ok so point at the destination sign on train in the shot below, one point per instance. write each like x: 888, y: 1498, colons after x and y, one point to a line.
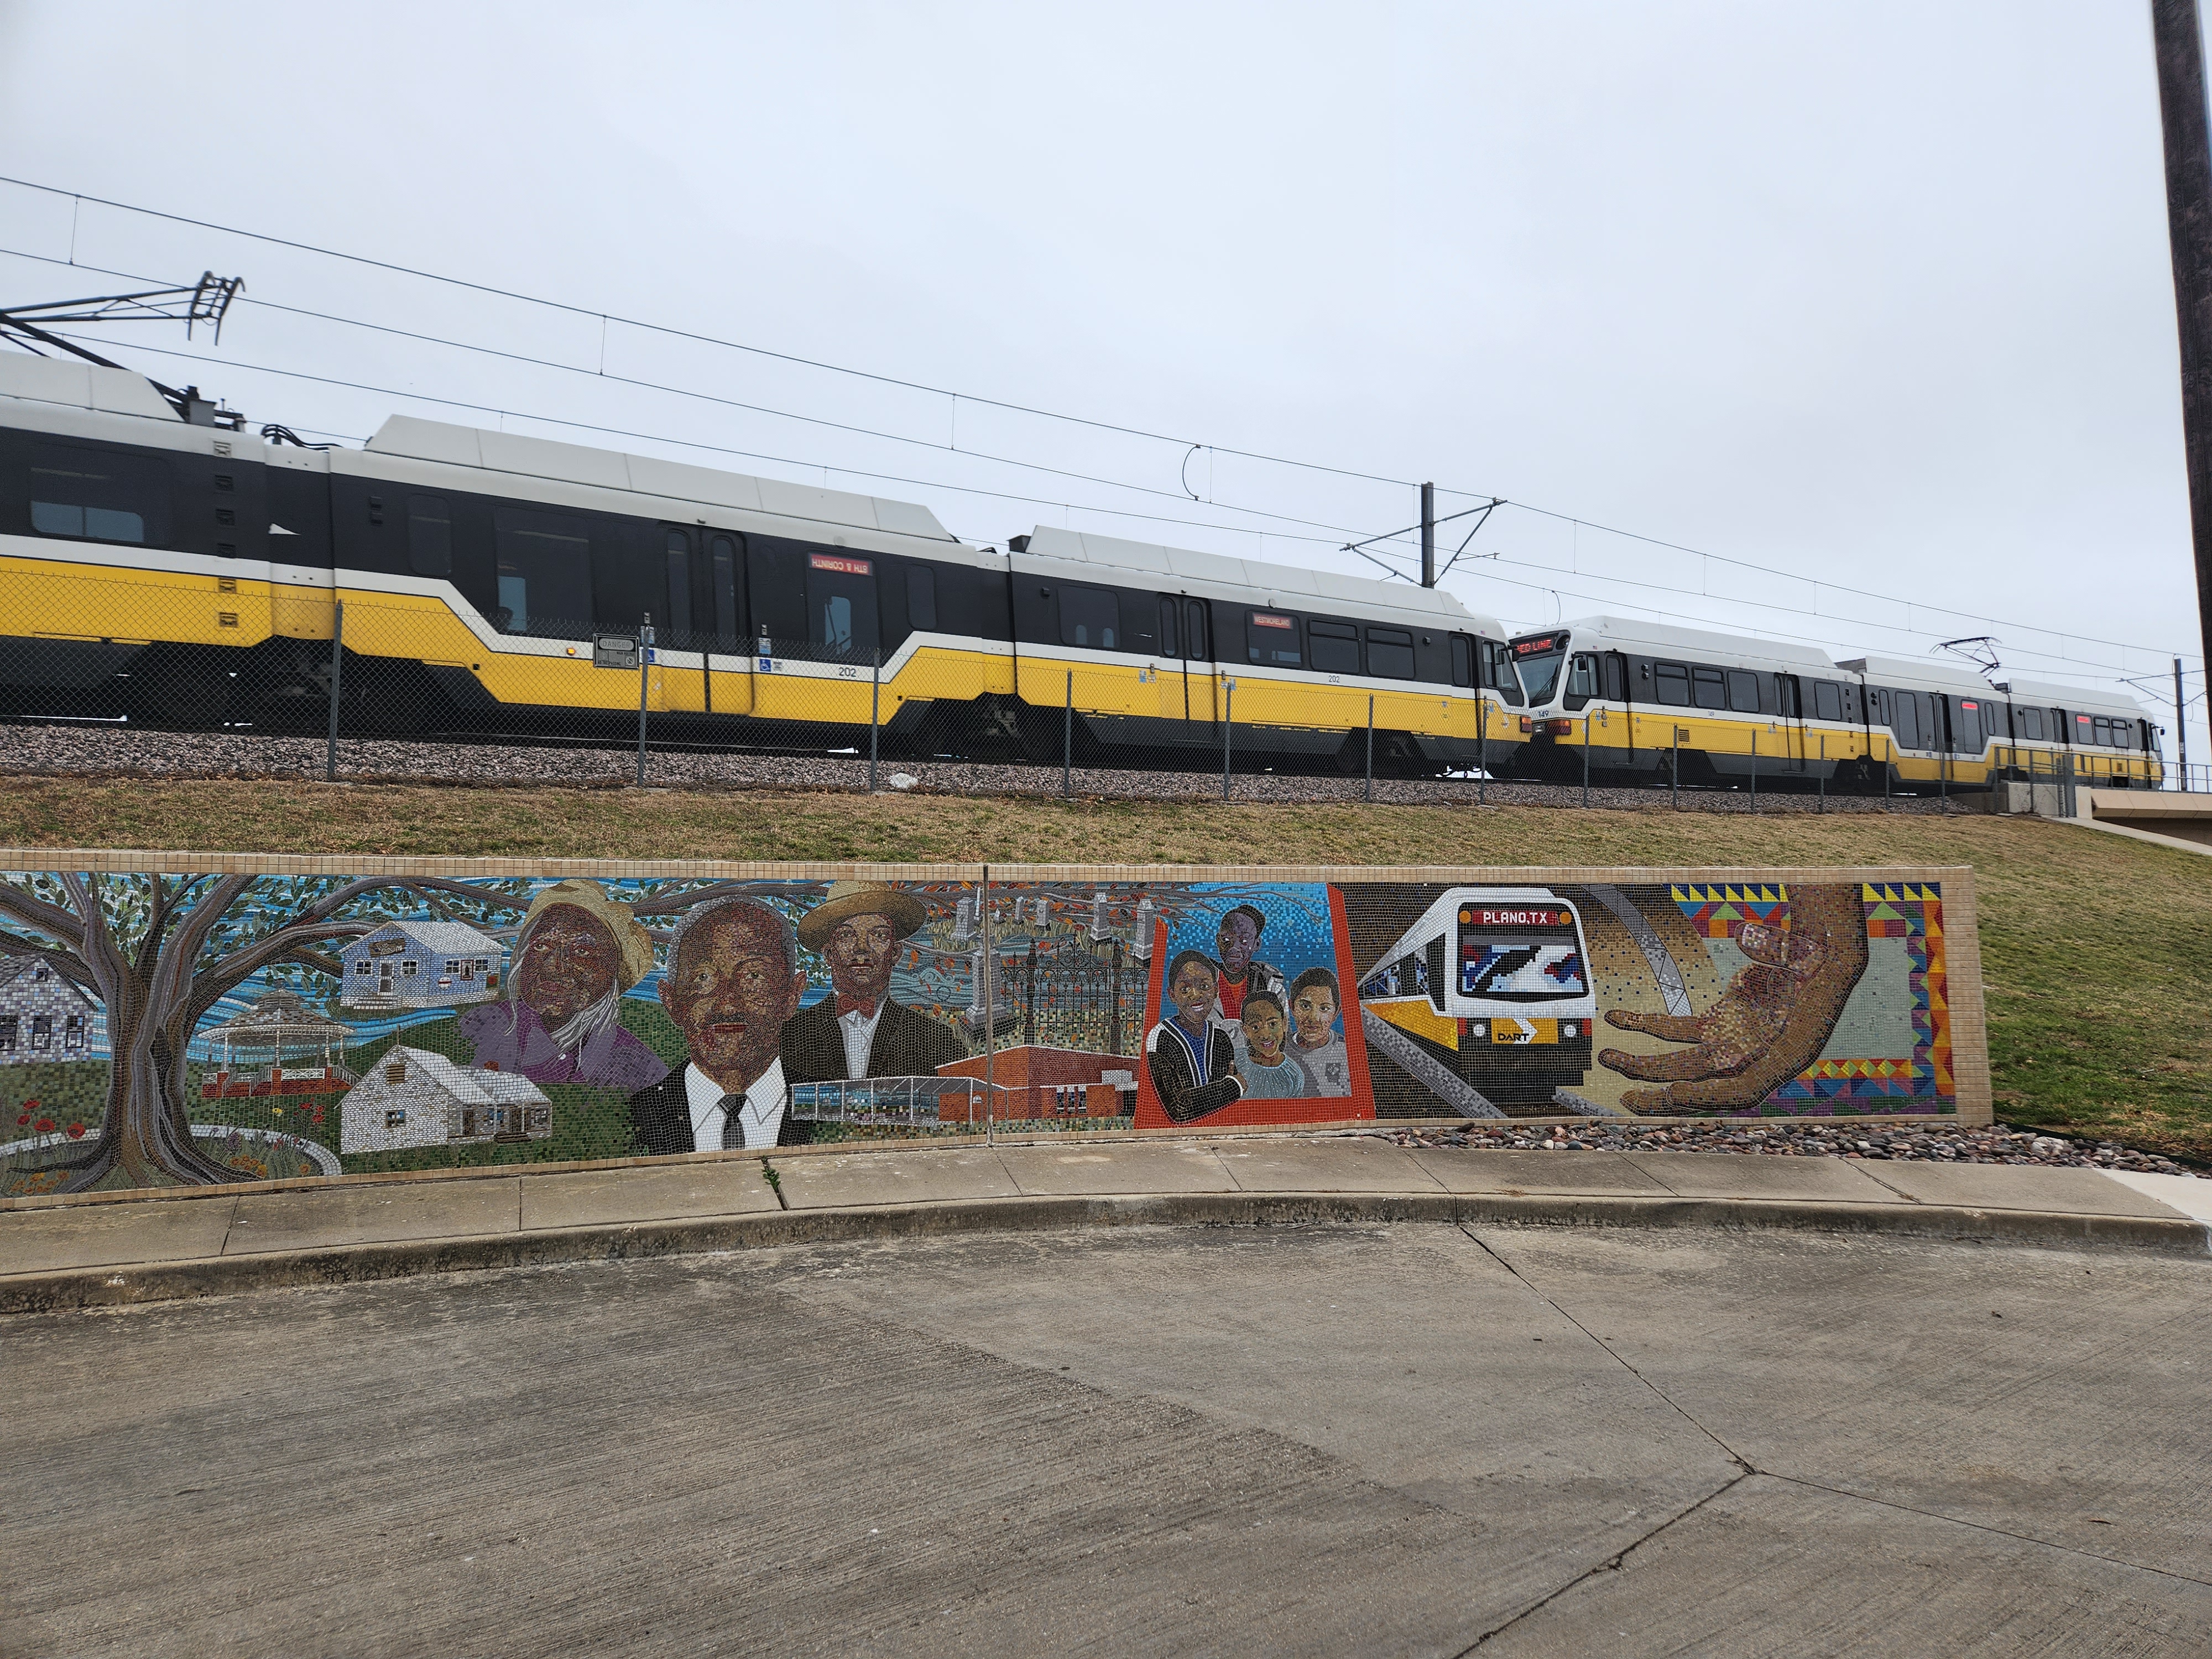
x: 1535, y: 647
x: 843, y: 567
x: 1474, y: 917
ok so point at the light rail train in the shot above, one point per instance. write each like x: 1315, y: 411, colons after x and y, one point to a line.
x: 1642, y: 702
x: 185, y: 573
x: 173, y: 573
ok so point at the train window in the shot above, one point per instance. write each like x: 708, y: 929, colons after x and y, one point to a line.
x: 1197, y: 642
x: 429, y: 536
x: 1167, y: 627
x: 841, y: 605
x: 2078, y: 733
x: 1966, y: 725
x: 676, y: 629
x: 1582, y: 680
x: 1827, y: 700
x: 1674, y: 683
x: 1390, y: 653
x: 1335, y: 647
x: 544, y: 574
x: 1707, y: 688
x: 98, y: 496
x: 722, y: 558
x: 2103, y: 728
x: 1462, y: 649
x: 1499, y: 671
x: 1785, y: 687
x: 1743, y: 690
x: 920, y: 599
x: 1089, y: 617
x: 1273, y: 638
x: 1905, y: 717
x: 1616, y: 676
x: 2030, y: 724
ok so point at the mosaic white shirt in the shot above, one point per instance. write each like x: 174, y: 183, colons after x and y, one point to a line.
x: 761, y: 1116
x: 859, y: 1030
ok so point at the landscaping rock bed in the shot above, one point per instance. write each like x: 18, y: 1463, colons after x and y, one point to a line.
x: 1924, y: 1143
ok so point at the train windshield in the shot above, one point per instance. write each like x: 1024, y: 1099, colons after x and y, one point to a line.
x: 1538, y: 656
x: 1527, y: 953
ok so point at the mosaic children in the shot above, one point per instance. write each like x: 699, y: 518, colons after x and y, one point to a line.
x: 1190, y: 1059
x: 1316, y: 1044
x: 1268, y: 1073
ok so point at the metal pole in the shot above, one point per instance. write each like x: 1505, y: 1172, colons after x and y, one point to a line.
x: 1370, y: 746
x: 1886, y: 769
x: 1113, y: 1009
x: 2181, y: 722
x: 644, y: 676
x: 1586, y: 742
x: 1482, y: 757
x: 990, y: 1018
x: 1675, y: 774
x: 337, y: 677
x: 875, y: 711
x: 1754, y: 771
x: 1067, y: 741
x: 2177, y: 41
x: 1823, y: 773
x: 1428, y: 535
x: 1227, y: 707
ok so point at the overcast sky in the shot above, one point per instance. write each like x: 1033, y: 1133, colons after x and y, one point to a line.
x: 1873, y: 294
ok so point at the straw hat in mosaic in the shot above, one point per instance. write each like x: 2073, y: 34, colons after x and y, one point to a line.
x: 848, y: 899
x: 629, y: 934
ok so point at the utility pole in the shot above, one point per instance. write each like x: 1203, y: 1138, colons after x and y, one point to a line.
x: 1428, y: 535
x: 2177, y: 38
x: 2181, y: 722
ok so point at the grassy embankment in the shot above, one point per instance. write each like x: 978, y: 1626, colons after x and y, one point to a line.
x: 2095, y: 948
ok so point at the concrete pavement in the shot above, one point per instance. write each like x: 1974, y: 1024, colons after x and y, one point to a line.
x: 122, y: 1248
x: 1407, y: 1438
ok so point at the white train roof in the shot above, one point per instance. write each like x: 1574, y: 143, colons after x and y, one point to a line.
x: 82, y: 385
x: 647, y: 475
x: 2075, y: 696
x: 1920, y: 675
x: 1150, y: 564
x: 1660, y: 639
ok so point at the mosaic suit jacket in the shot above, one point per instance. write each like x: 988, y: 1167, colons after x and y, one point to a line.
x: 660, y: 1118
x: 906, y: 1044
x: 1185, y: 1097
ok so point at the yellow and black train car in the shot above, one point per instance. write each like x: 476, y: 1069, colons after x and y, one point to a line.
x: 1649, y: 703
x: 174, y: 574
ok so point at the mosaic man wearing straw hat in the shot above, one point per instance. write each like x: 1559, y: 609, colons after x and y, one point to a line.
x: 858, y: 1031
x: 577, y: 952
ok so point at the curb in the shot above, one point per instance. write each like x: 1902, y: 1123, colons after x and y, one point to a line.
x: 128, y: 1285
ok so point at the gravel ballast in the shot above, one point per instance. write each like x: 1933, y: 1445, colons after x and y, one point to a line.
x: 109, y: 751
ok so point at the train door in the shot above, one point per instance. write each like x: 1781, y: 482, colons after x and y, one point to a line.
x: 1202, y: 687
x: 1790, y: 694
x: 1617, y: 683
x: 703, y: 589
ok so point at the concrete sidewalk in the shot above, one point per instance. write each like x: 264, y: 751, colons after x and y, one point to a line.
x: 59, y: 1254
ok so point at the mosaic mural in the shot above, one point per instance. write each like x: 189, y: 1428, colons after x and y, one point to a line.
x: 162, y: 1029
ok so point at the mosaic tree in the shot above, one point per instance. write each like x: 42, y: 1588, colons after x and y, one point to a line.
x: 157, y: 952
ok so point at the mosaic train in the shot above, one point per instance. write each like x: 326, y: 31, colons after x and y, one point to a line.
x: 159, y: 1028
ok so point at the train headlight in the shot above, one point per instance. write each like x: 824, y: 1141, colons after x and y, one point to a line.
x: 1477, y: 1028
x: 1568, y: 1028
x: 1528, y: 724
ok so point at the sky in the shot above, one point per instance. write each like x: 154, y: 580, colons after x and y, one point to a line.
x: 1845, y: 323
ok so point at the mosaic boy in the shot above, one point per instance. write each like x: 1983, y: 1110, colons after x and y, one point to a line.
x: 1190, y: 1059
x: 1316, y: 1045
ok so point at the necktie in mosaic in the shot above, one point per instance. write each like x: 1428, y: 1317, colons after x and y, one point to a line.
x: 734, y: 1124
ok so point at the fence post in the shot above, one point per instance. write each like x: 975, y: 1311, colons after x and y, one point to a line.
x: 644, y: 678
x: 1943, y: 777
x: 1482, y: 757
x: 1675, y: 774
x: 338, y: 677
x: 1227, y: 716
x: 1586, y: 742
x: 1370, y: 746
x: 1823, y: 773
x: 1887, y: 767
x: 875, y: 711
x: 1067, y: 741
x: 990, y: 1016
x: 1754, y: 770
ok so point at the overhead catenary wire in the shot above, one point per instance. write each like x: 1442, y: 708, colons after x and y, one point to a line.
x: 1703, y: 592
x: 1487, y: 574
x: 603, y: 315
